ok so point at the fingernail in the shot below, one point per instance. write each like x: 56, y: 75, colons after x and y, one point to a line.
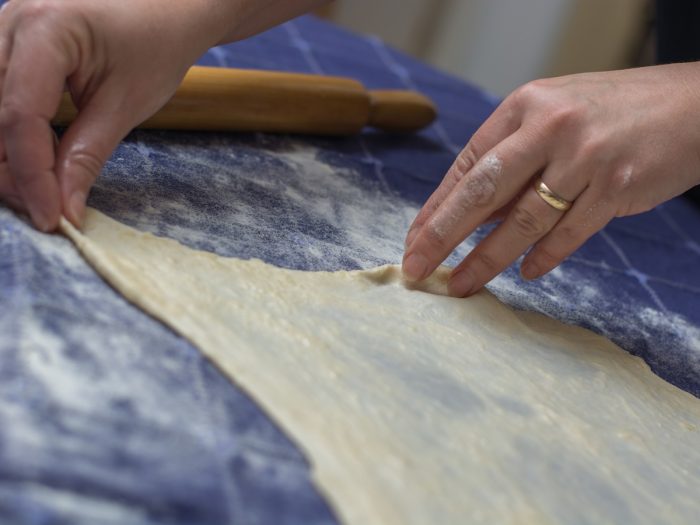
x: 41, y: 221
x: 410, y: 236
x: 460, y: 284
x: 415, y: 267
x: 76, y: 206
x: 529, y: 270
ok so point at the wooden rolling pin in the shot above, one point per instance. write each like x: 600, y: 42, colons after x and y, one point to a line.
x: 220, y: 99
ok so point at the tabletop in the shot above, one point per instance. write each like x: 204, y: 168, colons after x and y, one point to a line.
x: 107, y: 416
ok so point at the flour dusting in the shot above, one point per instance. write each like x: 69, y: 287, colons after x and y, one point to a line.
x: 475, y: 190
x: 284, y: 205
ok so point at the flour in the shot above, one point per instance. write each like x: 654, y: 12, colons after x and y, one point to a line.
x: 666, y: 341
x: 283, y: 195
x: 475, y: 190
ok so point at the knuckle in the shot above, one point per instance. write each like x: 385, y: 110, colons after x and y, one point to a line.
x: 31, y: 10
x: 564, y: 117
x: 542, y: 93
x: 484, y: 261
x: 12, y: 114
x: 552, y: 110
x: 531, y: 92
x: 455, y: 173
x: 464, y: 162
x: 545, y: 257
x: 478, y: 189
x: 88, y: 162
x: 436, y: 236
x: 427, y: 211
x: 592, y: 148
x: 469, y: 155
x: 527, y: 224
x: 569, y: 234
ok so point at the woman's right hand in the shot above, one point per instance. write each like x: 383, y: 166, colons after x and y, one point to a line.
x: 120, y: 61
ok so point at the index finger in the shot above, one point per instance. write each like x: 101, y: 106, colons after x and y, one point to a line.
x: 503, y: 122
x: 493, y: 182
x: 31, y: 93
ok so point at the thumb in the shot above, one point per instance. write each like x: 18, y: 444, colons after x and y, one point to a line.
x: 82, y: 152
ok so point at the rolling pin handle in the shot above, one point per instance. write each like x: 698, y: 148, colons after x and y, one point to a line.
x: 400, y: 111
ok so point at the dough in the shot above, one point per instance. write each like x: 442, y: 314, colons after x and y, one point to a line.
x: 420, y: 408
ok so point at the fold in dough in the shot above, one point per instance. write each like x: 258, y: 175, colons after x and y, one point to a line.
x: 420, y: 408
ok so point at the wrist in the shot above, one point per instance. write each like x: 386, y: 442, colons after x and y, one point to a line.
x: 240, y: 19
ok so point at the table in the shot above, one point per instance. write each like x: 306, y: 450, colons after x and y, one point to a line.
x: 107, y: 416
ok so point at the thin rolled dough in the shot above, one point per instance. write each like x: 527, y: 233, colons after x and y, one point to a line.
x: 420, y: 408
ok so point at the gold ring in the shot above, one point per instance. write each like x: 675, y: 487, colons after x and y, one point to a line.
x: 551, y: 198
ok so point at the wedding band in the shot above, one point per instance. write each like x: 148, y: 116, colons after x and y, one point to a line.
x: 551, y: 198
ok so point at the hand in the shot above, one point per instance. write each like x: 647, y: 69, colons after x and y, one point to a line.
x: 614, y: 144
x: 121, y: 61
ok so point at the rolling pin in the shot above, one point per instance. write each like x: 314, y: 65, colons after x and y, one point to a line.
x: 221, y: 99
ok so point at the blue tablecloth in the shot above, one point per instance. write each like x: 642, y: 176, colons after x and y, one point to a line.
x: 107, y: 416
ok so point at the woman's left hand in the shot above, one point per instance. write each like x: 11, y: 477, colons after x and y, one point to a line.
x: 611, y: 144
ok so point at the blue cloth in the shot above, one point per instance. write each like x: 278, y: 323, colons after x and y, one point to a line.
x: 107, y: 416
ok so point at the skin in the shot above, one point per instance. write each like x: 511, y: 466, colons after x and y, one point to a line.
x: 120, y: 61
x: 616, y: 143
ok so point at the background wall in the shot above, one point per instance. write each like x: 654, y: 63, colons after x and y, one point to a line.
x: 501, y: 44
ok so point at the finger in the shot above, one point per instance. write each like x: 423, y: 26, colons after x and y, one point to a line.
x: 529, y: 220
x: 590, y: 213
x: 84, y: 149
x: 502, y: 123
x: 489, y: 185
x: 5, y: 50
x: 8, y: 191
x: 502, y: 212
x: 9, y: 194
x: 32, y: 90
